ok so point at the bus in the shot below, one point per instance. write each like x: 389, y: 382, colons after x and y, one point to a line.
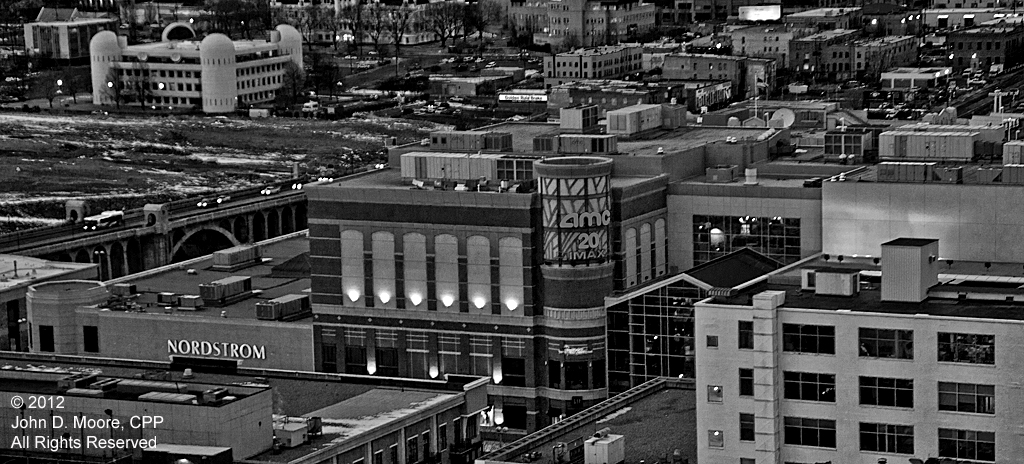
x: 104, y: 220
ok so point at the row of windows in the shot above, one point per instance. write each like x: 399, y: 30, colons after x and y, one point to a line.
x: 874, y: 437
x: 874, y: 391
x: 250, y: 83
x: 259, y: 69
x: 888, y: 343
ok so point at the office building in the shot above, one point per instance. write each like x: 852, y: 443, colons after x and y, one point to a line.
x: 952, y: 18
x: 902, y: 356
x: 609, y: 62
x: 215, y: 74
x: 63, y: 34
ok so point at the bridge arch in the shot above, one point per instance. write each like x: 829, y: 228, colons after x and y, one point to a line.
x: 273, y: 224
x: 135, y: 259
x: 300, y: 216
x: 259, y: 227
x: 287, y: 220
x: 82, y: 256
x: 241, y: 229
x: 117, y: 261
x: 99, y: 256
x: 202, y: 241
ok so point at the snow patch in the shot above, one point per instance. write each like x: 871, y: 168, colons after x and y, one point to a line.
x: 614, y: 415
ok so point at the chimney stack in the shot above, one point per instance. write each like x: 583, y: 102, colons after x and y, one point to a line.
x: 910, y: 266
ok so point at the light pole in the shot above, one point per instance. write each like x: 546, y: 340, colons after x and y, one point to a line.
x: 501, y: 436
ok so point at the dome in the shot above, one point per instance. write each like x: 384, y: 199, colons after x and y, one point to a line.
x: 178, y: 31
x: 289, y: 33
x: 217, y: 46
x: 104, y: 43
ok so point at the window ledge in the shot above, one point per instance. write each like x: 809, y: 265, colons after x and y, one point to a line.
x: 962, y: 364
x: 885, y: 358
x: 967, y: 413
x: 809, y: 447
x: 890, y: 408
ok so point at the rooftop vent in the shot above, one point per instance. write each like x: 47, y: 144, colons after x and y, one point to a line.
x: 235, y: 258
x: 910, y: 266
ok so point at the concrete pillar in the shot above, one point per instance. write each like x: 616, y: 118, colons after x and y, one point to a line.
x: 252, y: 233
x: 156, y: 252
x: 124, y: 257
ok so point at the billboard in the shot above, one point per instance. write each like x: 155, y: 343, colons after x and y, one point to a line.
x: 522, y: 97
x: 576, y: 211
x: 761, y: 13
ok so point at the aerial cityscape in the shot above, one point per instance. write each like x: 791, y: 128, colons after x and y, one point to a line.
x: 511, y: 231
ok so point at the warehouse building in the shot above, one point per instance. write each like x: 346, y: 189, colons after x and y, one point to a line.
x: 863, y: 360
x: 215, y: 74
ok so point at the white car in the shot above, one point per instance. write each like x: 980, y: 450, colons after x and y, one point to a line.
x: 203, y: 203
x: 270, y: 190
x: 976, y: 81
x: 223, y: 199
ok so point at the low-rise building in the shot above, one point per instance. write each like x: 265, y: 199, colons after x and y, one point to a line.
x: 882, y: 19
x: 749, y: 76
x: 827, y: 18
x: 17, y: 273
x: 468, y: 86
x: 953, y: 18
x: 920, y: 78
x: 872, y: 57
x: 770, y: 41
x: 982, y: 47
x: 63, y: 34
x: 612, y: 95
x: 817, y: 55
x: 215, y: 74
x: 589, y: 22
x: 609, y: 62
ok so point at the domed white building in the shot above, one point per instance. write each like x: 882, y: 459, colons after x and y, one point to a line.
x: 180, y: 71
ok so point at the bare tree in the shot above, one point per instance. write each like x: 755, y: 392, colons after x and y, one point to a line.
x: 375, y: 22
x: 571, y: 42
x: 72, y: 83
x: 482, y: 14
x: 114, y: 87
x: 312, y: 19
x: 138, y: 84
x: 399, y: 19
x: 292, y: 81
x: 445, y: 19
x: 350, y: 18
x: 48, y: 84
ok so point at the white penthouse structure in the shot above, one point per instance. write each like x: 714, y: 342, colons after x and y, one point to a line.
x: 216, y: 73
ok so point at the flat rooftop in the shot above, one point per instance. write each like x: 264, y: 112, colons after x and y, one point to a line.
x: 592, y: 51
x: 889, y: 39
x: 683, y: 138
x: 523, y: 133
x: 824, y: 12
x: 284, y: 271
x: 25, y: 378
x: 826, y: 35
x: 997, y: 280
x: 654, y: 425
x: 21, y: 271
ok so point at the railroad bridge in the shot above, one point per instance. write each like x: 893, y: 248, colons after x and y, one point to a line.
x: 160, y: 234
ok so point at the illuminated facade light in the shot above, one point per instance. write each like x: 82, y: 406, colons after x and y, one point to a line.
x: 433, y: 372
x: 385, y: 297
x: 479, y: 302
x: 415, y: 299
x: 371, y: 367
x: 447, y: 300
x: 353, y: 295
x: 511, y: 304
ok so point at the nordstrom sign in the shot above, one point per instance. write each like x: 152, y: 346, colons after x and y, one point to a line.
x: 216, y: 349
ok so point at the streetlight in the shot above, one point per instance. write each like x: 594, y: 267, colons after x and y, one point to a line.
x: 501, y: 435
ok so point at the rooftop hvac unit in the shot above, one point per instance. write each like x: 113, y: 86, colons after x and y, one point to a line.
x: 79, y: 380
x: 123, y: 289
x: 837, y: 282
x: 167, y: 298
x: 607, y: 449
x: 721, y: 173
x: 105, y: 385
x: 214, y: 395
x: 190, y: 302
x: 291, y: 435
x: 236, y: 258
x: 990, y: 175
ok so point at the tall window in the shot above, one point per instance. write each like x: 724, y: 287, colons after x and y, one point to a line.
x: 329, y: 351
x: 887, y: 438
x: 967, y: 397
x: 800, y: 338
x: 417, y: 353
x: 809, y: 386
x: 442, y: 437
x: 412, y: 450
x: 746, y: 382
x: 967, y: 444
x: 355, y: 351
x: 746, y: 333
x: 884, y: 391
x: 967, y: 348
x: 775, y: 237
x: 91, y: 336
x: 810, y: 432
x: 46, y: 338
x: 450, y: 354
x: 746, y: 427
x: 480, y: 353
x: 886, y: 343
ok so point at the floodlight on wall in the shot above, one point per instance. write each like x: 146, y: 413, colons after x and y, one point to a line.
x: 353, y: 295
x: 447, y: 300
x: 415, y: 299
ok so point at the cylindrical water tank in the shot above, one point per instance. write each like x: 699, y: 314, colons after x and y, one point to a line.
x: 751, y: 176
x: 104, y: 52
x: 217, y: 57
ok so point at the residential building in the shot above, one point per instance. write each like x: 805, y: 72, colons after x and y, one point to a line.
x: 982, y: 47
x: 215, y: 74
x: 770, y: 41
x: 827, y: 18
x: 63, y: 34
x: 607, y: 62
x: 818, y: 55
x: 898, y: 356
x: 872, y: 57
x: 749, y: 76
x: 297, y: 14
x: 590, y: 22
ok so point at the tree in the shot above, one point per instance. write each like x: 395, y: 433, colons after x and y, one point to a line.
x: 48, y: 84
x: 375, y: 21
x: 114, y: 87
x: 350, y: 18
x: 571, y: 42
x: 312, y: 19
x: 399, y: 19
x: 444, y: 19
x: 138, y: 84
x: 72, y: 83
x: 482, y: 14
x: 292, y: 81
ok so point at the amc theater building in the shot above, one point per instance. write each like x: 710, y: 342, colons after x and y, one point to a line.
x: 482, y: 264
